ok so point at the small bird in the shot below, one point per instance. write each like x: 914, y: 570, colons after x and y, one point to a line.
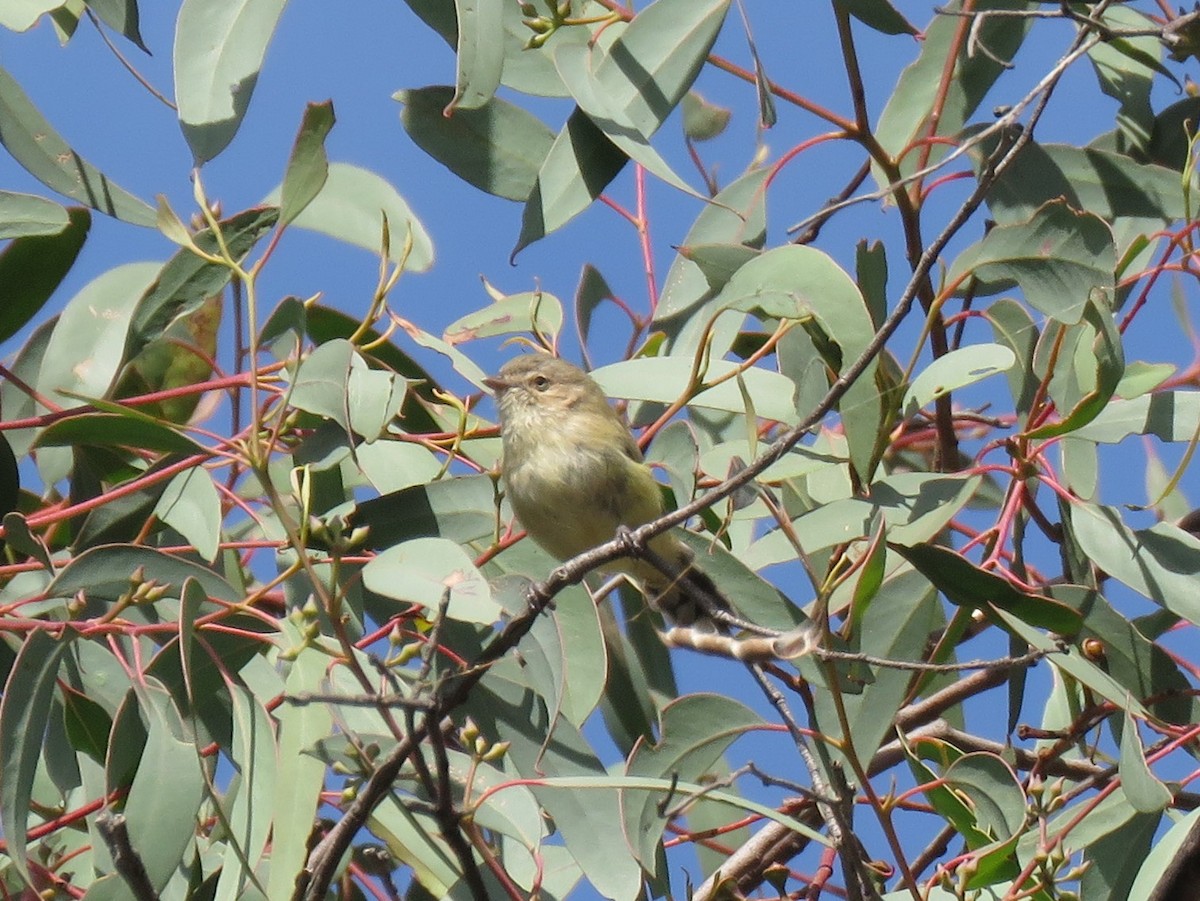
x: 574, y: 475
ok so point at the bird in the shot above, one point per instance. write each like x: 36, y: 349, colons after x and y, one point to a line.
x: 575, y: 477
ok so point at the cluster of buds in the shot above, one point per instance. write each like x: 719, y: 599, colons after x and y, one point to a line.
x: 482, y: 749
x: 542, y: 25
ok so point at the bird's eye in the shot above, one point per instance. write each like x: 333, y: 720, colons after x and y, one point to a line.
x: 541, y: 383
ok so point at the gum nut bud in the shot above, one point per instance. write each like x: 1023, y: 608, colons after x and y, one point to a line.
x: 496, y: 751
x: 481, y: 746
x: 470, y: 732
x: 408, y: 652
x: 310, y: 609
x: 138, y: 576
x: 528, y: 9
x: 349, y: 793
x: 1093, y: 650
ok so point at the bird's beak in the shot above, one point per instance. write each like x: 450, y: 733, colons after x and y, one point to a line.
x: 497, y: 384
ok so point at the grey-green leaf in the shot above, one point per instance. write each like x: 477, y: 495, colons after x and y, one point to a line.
x: 351, y: 206
x: 308, y: 167
x: 1057, y: 257
x: 35, y: 144
x: 498, y: 148
x: 22, y: 215
x: 652, y: 64
x: 24, y: 710
x: 219, y: 50
x: 191, y: 506
x: 1144, y: 791
x: 480, y: 56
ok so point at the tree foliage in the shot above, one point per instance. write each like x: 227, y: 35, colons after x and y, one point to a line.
x: 270, y: 631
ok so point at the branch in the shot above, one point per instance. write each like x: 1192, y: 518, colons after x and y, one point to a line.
x: 112, y: 829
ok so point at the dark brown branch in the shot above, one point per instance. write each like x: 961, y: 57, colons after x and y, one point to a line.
x: 112, y: 829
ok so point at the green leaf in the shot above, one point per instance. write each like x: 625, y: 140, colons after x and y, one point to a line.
x: 915, y: 506
x: 1162, y: 856
x: 24, y: 215
x: 299, y: 776
x: 254, y: 750
x: 164, y: 798
x: 529, y: 311
x: 1159, y: 562
x: 104, y: 573
x: 880, y: 15
x: 113, y: 430
x: 1058, y: 257
x: 1167, y: 415
x: 191, y: 506
x: 180, y: 358
x: 652, y: 64
x: 737, y: 215
x: 86, y: 350
x: 965, y: 584
x: 1097, y: 364
x: 479, y: 55
x: 1113, y: 860
x: 666, y: 379
x: 703, y: 121
x: 802, y: 283
x: 187, y: 281
x: 335, y: 382
x: 1141, y: 667
x: 575, y: 64
x: 415, y: 840
x: 20, y: 15
x: 593, y: 290
x: 122, y: 17
x: 526, y: 71
x: 957, y: 369
x: 1145, y: 792
x: 1014, y: 328
x: 351, y: 207
x: 424, y: 570
x: 578, y: 167
x: 1074, y: 663
x: 946, y: 803
x: 695, y: 731
x: 219, y: 50
x: 895, y: 626
x: 87, y: 724
x: 461, y: 509
x: 33, y: 266
x: 308, y: 166
x: 924, y: 89
x: 498, y: 149
x: 993, y: 791
x: 1106, y: 184
x: 719, y: 262
x: 1125, y: 69
x: 35, y: 144
x: 24, y: 711
x: 503, y: 708
x: 1141, y: 378
x: 323, y: 324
